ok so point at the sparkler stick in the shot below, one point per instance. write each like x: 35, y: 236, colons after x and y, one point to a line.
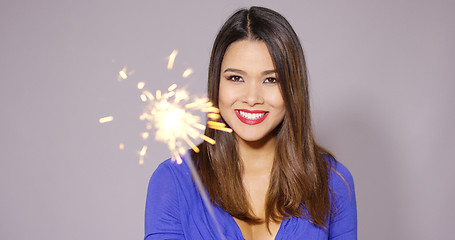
x: 204, y: 195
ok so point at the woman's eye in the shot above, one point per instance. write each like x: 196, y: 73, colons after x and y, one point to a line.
x: 235, y: 78
x: 270, y: 80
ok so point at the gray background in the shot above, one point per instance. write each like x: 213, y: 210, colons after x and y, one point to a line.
x: 382, y: 84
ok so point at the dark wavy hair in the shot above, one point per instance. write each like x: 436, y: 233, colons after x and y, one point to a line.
x: 299, y: 177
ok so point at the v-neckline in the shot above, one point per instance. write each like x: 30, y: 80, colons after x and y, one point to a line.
x: 239, y: 231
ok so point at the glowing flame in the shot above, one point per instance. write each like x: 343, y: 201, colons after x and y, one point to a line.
x: 171, y: 115
x: 106, y: 119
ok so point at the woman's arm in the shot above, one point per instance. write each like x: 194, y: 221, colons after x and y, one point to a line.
x: 162, y: 218
x: 343, y: 221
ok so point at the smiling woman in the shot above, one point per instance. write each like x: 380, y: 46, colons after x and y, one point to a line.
x: 250, y: 100
x: 269, y: 179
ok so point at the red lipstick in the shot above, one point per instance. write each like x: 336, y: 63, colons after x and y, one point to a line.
x: 248, y: 112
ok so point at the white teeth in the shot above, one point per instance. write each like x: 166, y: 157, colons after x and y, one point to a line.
x: 251, y: 116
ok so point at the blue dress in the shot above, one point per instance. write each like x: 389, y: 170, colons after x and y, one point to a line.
x: 175, y: 210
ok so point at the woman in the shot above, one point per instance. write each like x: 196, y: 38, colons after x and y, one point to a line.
x: 269, y: 179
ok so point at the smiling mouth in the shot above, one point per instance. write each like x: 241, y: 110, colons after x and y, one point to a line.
x: 251, y: 117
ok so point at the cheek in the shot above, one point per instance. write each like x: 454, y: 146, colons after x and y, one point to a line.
x: 276, y: 99
x: 224, y: 105
x: 278, y: 104
x: 223, y: 102
x: 226, y: 96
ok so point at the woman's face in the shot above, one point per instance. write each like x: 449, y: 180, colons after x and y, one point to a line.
x: 250, y: 99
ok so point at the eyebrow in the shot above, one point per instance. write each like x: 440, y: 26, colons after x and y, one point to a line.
x: 235, y: 70
x: 243, y: 72
x: 269, y: 72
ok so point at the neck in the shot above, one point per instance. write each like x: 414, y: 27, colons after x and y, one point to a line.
x: 257, y: 157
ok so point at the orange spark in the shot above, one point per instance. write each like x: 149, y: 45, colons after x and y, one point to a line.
x: 207, y: 139
x: 214, y: 116
x: 170, y: 64
x: 122, y: 73
x: 106, y: 119
x: 145, y: 135
x: 172, y: 87
x: 187, y: 72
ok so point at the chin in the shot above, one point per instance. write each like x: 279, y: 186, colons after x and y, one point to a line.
x: 253, y: 138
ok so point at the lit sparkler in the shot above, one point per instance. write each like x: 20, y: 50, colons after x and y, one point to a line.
x: 173, y: 115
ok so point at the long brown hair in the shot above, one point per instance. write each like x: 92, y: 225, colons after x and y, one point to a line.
x: 299, y: 177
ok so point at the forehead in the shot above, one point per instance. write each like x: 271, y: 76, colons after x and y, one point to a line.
x: 247, y: 55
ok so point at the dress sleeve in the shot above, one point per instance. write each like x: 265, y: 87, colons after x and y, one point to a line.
x: 343, y: 221
x: 162, y: 220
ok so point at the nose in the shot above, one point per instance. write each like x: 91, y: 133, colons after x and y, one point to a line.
x: 253, y: 94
